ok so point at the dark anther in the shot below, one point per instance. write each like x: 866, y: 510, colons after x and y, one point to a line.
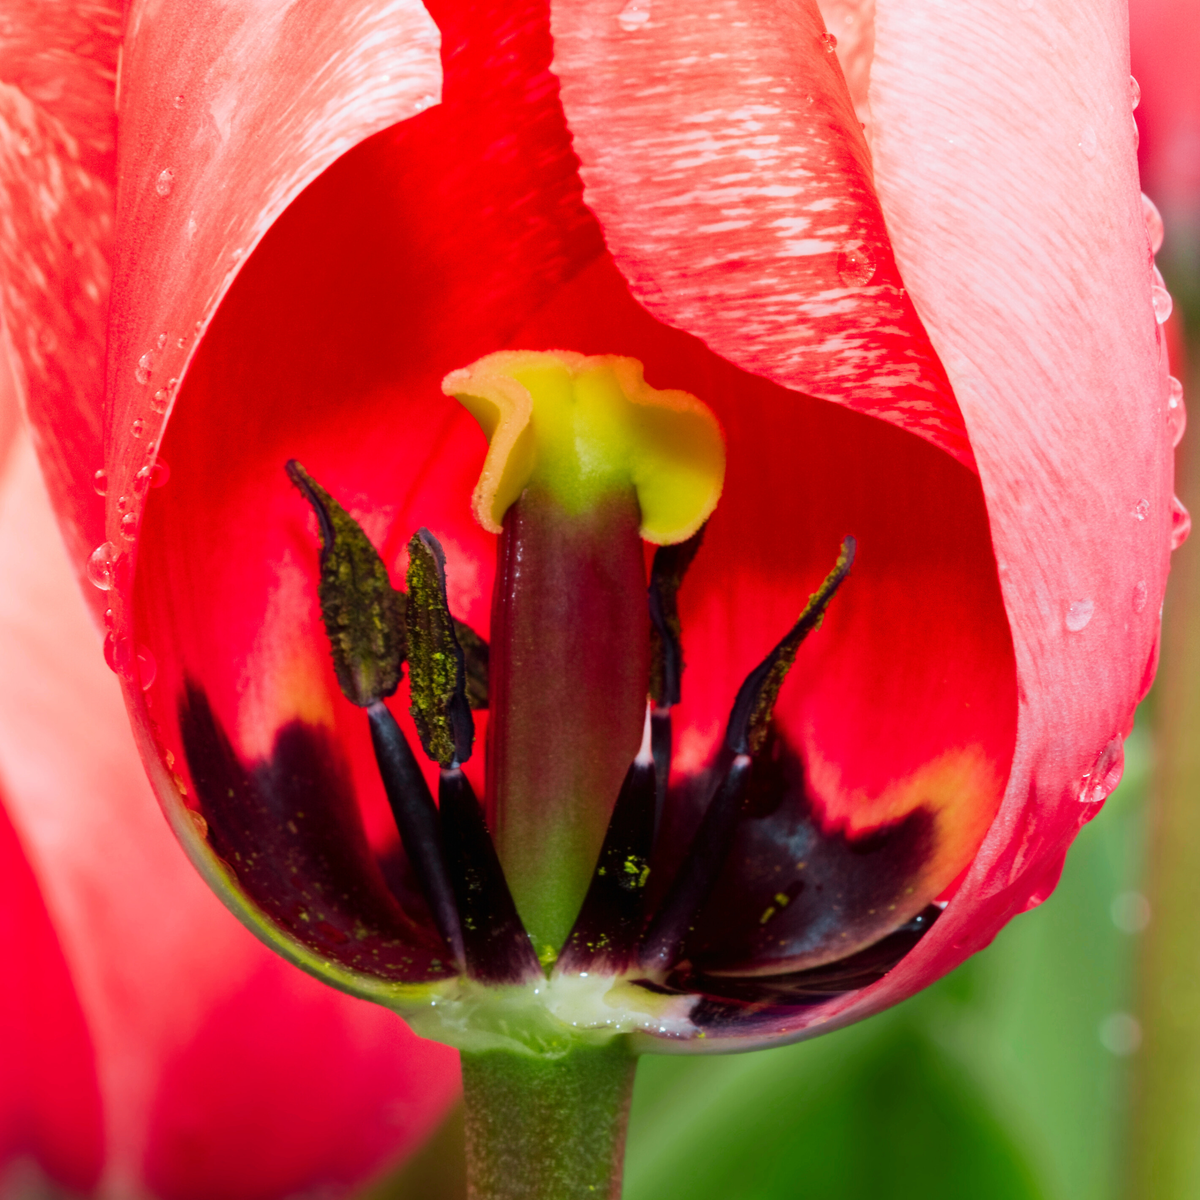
x: 664, y: 939
x: 417, y: 820
x: 666, y: 651
x: 497, y: 948
x: 606, y: 932
x: 749, y: 723
x: 436, y: 664
x: 751, y: 715
x: 361, y: 610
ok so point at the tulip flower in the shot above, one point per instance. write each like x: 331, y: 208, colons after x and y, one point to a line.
x: 515, y: 293
x: 155, y: 1048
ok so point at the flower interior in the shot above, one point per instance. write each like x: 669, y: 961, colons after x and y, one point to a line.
x: 676, y: 801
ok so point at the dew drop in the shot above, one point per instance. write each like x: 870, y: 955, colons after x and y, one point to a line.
x: 1176, y: 412
x: 116, y: 654
x: 197, y: 327
x: 101, y: 564
x: 1100, y: 782
x: 1154, y: 223
x: 1161, y: 299
x: 1088, y: 142
x: 1181, y: 523
x: 147, y: 668
x: 110, y: 618
x: 122, y: 503
x: 1141, y: 510
x: 138, y: 427
x: 161, y: 341
x: 634, y: 15
x: 181, y: 343
x: 1135, y: 92
x: 152, y: 475
x: 829, y: 42
x: 1140, y: 592
x: 142, y: 372
x: 129, y: 526
x: 856, y: 265
x: 100, y: 482
x: 1079, y: 614
x: 178, y: 101
x: 165, y: 182
x: 159, y: 401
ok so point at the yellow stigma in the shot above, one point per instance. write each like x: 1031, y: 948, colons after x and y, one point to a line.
x: 582, y: 426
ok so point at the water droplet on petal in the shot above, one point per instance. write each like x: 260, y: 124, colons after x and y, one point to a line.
x: 829, y: 42
x: 110, y: 618
x: 129, y: 526
x: 1154, y: 223
x: 147, y: 668
x: 856, y: 265
x: 162, y: 340
x: 142, y: 371
x: 178, y: 101
x: 122, y: 503
x: 1100, y: 782
x: 1176, y: 412
x: 116, y: 654
x: 100, y: 566
x: 1181, y: 523
x: 159, y: 401
x: 634, y: 15
x: 138, y: 427
x: 1161, y: 299
x: 1141, y: 510
x: 165, y: 182
x: 152, y: 475
x: 1140, y: 592
x: 1079, y: 614
x: 100, y: 482
x: 1135, y: 92
x: 181, y: 343
x: 1088, y: 142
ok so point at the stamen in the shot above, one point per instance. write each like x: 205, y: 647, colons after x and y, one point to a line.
x: 751, y: 715
x: 666, y: 652
x: 495, y: 944
x: 664, y: 940
x: 749, y: 723
x: 361, y: 610
x: 605, y: 934
x: 436, y: 669
x: 417, y: 820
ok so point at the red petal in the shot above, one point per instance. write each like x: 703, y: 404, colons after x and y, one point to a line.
x: 49, y: 1099
x: 722, y: 153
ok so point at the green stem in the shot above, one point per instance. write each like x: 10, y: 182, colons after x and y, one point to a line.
x: 547, y: 1128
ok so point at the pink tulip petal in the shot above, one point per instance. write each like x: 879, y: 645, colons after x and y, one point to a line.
x: 157, y: 963
x: 722, y: 153
x: 57, y: 177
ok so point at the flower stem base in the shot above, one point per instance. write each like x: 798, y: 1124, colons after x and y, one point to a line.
x: 547, y: 1128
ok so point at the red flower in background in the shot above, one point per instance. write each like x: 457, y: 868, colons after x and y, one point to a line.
x: 945, y: 344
